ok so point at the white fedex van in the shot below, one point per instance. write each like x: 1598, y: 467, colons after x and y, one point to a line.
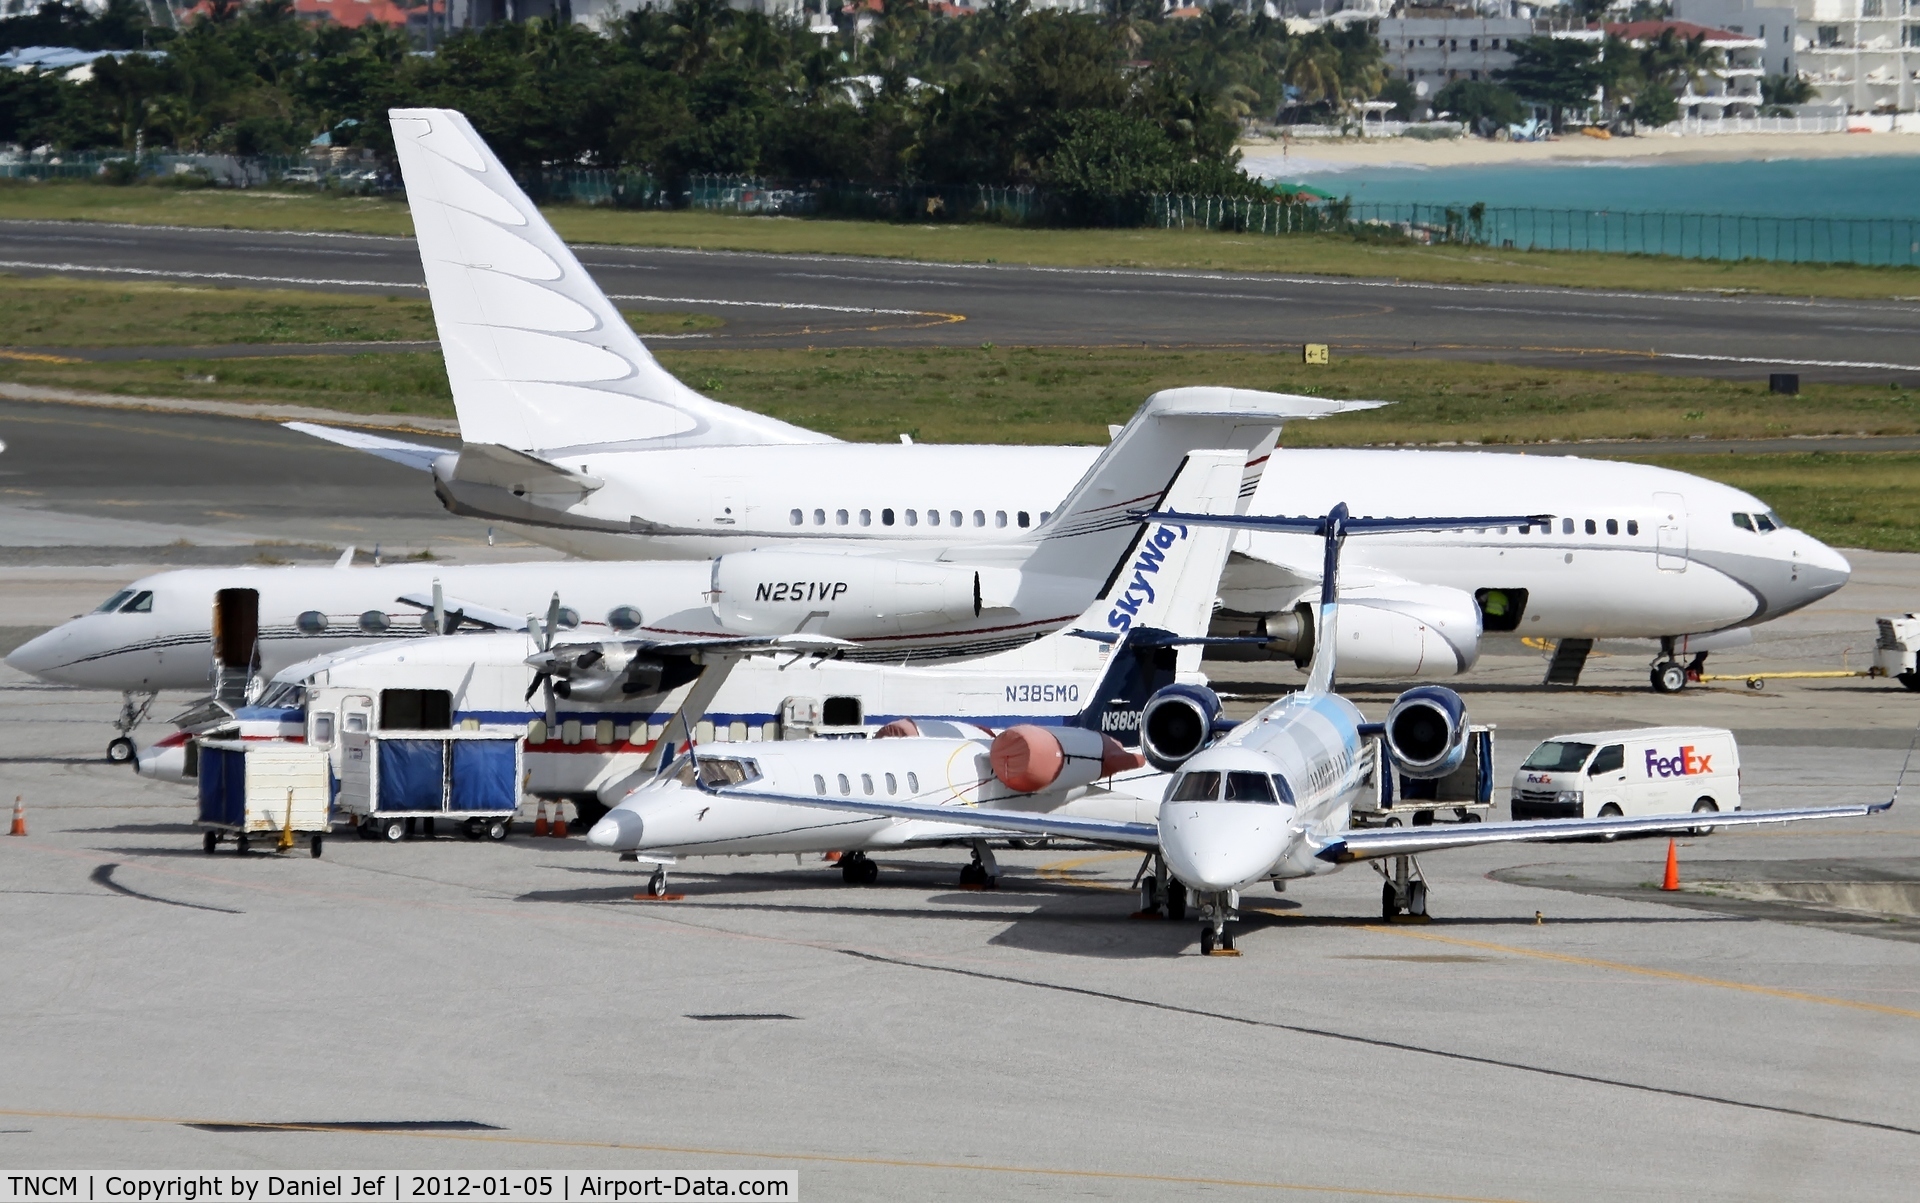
x: 1647, y: 771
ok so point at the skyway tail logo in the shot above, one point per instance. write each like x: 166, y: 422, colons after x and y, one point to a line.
x: 1687, y: 764
x: 1153, y: 553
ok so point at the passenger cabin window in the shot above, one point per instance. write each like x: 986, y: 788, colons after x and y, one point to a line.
x: 1591, y: 528
x: 913, y: 783
x: 933, y: 517
x: 1743, y: 522
x: 1566, y: 526
x: 999, y: 517
x: 819, y: 784
x: 953, y: 518
x: 913, y: 518
x: 866, y: 784
x: 846, y: 787
x: 1613, y: 526
x: 311, y: 622
x: 1610, y: 759
x: 893, y: 784
x: 840, y: 712
x: 839, y: 517
x: 416, y: 710
x: 356, y: 722
x: 1250, y: 787
x: 1558, y: 756
x: 1197, y: 787
x: 795, y: 517
x: 375, y: 622
x: 866, y: 517
x: 1633, y: 526
x: 719, y: 772
x: 819, y: 517
x: 979, y: 517
x: 1022, y: 517
x: 886, y: 517
x: 323, y: 729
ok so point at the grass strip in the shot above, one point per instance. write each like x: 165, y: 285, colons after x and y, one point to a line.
x: 1842, y: 498
x: 1329, y: 255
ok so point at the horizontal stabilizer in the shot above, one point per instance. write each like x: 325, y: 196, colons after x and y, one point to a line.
x: 411, y: 455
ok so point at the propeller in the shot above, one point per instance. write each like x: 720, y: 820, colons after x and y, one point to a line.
x: 544, y: 678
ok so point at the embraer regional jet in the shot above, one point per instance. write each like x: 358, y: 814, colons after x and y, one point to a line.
x: 1271, y: 800
x: 576, y: 437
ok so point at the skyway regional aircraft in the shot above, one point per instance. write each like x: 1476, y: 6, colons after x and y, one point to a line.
x: 576, y: 437
x: 1270, y: 801
x: 611, y: 704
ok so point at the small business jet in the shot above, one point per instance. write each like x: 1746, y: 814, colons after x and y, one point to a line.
x: 576, y: 437
x: 1271, y: 800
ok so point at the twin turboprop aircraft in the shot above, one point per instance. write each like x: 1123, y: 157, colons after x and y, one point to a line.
x: 1271, y: 800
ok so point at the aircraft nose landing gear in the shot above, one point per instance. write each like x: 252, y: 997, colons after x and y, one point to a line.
x: 134, y: 705
x: 1216, y: 938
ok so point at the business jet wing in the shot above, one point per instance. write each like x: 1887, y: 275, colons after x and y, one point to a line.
x: 997, y: 822
x: 410, y: 455
x: 1374, y: 842
x: 471, y: 613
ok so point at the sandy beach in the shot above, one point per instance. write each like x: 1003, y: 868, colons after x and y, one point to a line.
x: 1281, y: 159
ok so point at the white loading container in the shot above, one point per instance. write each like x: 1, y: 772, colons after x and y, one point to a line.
x: 1644, y: 771
x: 263, y: 789
x: 1896, y: 652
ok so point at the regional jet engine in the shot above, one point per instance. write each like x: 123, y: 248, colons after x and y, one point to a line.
x: 1177, y: 723
x: 1426, y: 731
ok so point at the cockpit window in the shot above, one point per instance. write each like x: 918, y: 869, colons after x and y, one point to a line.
x: 284, y: 695
x: 1558, y: 756
x: 1743, y: 521
x: 685, y: 773
x: 1197, y: 787
x: 1765, y: 523
x: 718, y: 773
x: 1286, y: 789
x: 142, y: 603
x: 1250, y: 787
x: 114, y: 603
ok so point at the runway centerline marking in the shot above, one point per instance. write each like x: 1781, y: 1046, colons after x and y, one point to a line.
x: 805, y: 1158
x: 1673, y: 975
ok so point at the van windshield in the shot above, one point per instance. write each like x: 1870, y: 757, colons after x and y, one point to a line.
x: 1556, y: 756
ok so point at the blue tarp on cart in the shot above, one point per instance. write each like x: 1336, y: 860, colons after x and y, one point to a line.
x: 412, y: 773
x: 223, y: 786
x: 483, y: 775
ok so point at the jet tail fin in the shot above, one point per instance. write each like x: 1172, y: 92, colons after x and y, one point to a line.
x: 538, y: 357
x: 1098, y: 519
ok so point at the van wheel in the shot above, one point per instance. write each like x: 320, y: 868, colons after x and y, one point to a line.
x: 1911, y: 681
x: 395, y: 830
x: 1705, y: 806
x: 1609, y: 811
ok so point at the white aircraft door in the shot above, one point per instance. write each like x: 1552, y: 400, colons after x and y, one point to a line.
x: 1670, y: 532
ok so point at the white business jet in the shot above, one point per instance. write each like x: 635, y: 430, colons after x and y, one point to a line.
x: 1270, y: 801
x: 576, y: 437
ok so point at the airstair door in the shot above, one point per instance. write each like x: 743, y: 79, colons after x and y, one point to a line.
x: 1670, y: 532
x: 236, y: 643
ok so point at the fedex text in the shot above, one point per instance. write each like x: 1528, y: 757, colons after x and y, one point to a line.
x: 1688, y: 763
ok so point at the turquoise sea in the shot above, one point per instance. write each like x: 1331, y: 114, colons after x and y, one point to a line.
x: 1881, y: 186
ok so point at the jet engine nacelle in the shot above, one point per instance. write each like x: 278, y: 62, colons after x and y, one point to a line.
x: 1176, y: 723
x: 776, y: 592
x: 1029, y: 758
x: 1426, y: 731
x: 1392, y: 633
x: 605, y: 672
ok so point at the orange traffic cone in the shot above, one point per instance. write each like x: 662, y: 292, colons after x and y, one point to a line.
x: 19, y: 817
x: 559, y: 831
x: 540, y: 820
x: 1672, y: 879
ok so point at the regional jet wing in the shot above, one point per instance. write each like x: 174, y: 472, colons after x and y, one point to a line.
x: 998, y: 822
x: 468, y: 613
x: 1370, y: 843
x: 411, y: 455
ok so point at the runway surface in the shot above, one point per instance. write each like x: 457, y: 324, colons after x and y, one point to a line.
x: 800, y: 300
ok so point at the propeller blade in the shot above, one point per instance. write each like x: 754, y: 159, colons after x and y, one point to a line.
x: 553, y: 623
x: 539, y: 679
x: 553, y: 707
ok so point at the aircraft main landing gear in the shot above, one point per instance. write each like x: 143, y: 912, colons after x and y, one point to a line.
x: 982, y: 873
x: 1405, y: 889
x: 1161, y: 893
x: 858, y: 869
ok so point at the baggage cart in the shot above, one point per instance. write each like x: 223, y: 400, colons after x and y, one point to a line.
x: 1464, y: 795
x: 271, y: 791
x: 396, y: 784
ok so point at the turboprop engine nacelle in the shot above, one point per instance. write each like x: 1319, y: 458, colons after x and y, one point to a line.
x: 602, y: 672
x: 1389, y: 633
x: 780, y: 592
x: 1426, y: 731
x: 1176, y: 724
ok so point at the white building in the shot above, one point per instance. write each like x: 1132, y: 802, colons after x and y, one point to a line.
x: 1731, y: 89
x: 1863, y: 53
x: 1432, y: 47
